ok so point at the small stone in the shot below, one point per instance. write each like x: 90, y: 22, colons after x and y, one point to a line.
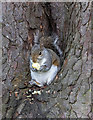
x: 36, y: 92
x: 28, y: 96
x: 48, y: 91
x: 26, y: 92
x: 32, y: 99
x: 29, y: 90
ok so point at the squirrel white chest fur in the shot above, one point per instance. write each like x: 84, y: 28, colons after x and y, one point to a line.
x: 42, y: 78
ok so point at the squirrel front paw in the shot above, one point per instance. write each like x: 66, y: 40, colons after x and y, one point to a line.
x: 33, y: 69
x: 44, y: 68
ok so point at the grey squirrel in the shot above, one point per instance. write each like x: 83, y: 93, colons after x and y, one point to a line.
x: 44, y: 62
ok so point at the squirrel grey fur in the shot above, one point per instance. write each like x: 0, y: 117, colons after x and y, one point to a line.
x: 49, y: 62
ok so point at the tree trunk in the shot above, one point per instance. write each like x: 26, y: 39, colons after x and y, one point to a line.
x: 69, y: 96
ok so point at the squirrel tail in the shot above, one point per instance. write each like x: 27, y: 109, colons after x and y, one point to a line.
x: 55, y: 36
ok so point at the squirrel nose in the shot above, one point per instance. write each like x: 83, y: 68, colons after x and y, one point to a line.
x: 34, y: 60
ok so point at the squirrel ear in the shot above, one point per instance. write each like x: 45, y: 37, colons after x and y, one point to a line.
x: 41, y: 42
x: 37, y: 36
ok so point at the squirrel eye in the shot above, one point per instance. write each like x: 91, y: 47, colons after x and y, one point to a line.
x: 40, y: 53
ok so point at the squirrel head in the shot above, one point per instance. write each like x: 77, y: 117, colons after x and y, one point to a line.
x: 37, y: 52
x: 41, y: 56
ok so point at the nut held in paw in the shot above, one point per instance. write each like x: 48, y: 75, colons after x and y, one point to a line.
x: 36, y: 66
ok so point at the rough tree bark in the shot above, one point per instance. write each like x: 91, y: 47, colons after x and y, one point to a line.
x: 70, y: 95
